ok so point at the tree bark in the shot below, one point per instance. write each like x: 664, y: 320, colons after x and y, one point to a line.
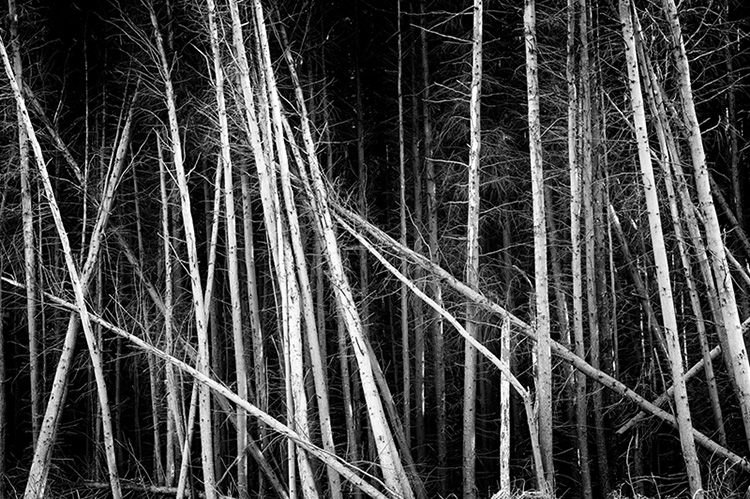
x: 581, y: 400
x: 472, y: 260
x: 739, y: 365
x: 199, y: 300
x: 541, y: 289
x: 685, y: 427
x: 436, y: 292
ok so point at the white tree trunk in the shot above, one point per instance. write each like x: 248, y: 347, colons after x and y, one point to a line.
x: 684, y: 423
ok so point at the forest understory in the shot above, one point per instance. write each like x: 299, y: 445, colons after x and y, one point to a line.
x: 344, y: 249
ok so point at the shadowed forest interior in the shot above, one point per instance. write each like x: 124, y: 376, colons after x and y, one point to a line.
x: 403, y: 249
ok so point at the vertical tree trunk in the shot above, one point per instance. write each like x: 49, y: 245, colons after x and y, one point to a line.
x: 732, y: 122
x: 542, y: 317
x: 232, y: 260
x: 472, y: 260
x: 3, y: 399
x: 175, y: 422
x: 739, y: 366
x: 592, y: 232
x: 505, y: 438
x: 28, y: 235
x: 436, y: 292
x: 581, y: 400
x: 660, y: 257
x: 419, y: 316
x: 403, y: 294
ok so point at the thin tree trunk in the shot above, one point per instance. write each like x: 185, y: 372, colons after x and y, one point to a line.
x: 391, y: 466
x: 419, y: 316
x: 472, y: 260
x: 232, y: 261
x: 581, y: 400
x: 154, y: 391
x: 542, y: 317
x: 37, y: 482
x: 668, y: 156
x: 435, y: 287
x: 176, y: 424
x: 3, y: 393
x: 199, y: 300
x: 592, y: 231
x: 558, y: 349
x: 28, y: 236
x: 34, y: 488
x: 737, y: 349
x: 660, y: 257
x: 404, y: 303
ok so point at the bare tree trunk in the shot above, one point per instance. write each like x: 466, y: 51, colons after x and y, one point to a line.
x: 581, y: 400
x: 419, y: 315
x: 175, y: 423
x: 669, y: 155
x: 739, y: 365
x: 542, y: 317
x: 558, y: 349
x: 660, y: 256
x: 3, y: 396
x: 405, y: 331
x: 435, y: 287
x: 232, y: 260
x: 472, y: 260
x: 37, y: 482
x: 391, y: 466
x: 591, y: 231
x: 28, y: 236
x: 732, y: 122
x: 199, y: 300
x: 34, y: 487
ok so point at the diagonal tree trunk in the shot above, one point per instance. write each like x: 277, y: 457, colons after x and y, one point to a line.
x: 660, y: 256
x: 391, y: 466
x: 558, y: 349
x: 669, y: 156
x: 739, y: 365
x: 199, y: 300
x: 35, y: 487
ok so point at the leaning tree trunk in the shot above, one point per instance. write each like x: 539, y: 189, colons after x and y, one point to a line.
x: 684, y: 423
x: 199, y: 300
x: 36, y: 488
x: 740, y: 367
